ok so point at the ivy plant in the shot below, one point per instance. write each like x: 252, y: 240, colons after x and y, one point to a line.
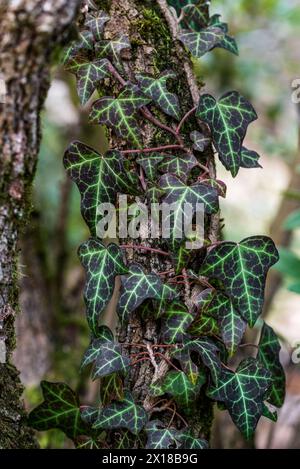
x: 203, y: 301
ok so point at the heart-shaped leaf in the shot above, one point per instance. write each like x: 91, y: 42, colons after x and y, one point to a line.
x: 112, y: 49
x: 268, y: 354
x: 190, y: 442
x: 200, y: 140
x: 99, y: 178
x: 60, y: 409
x: 249, y: 159
x: 161, y: 437
x: 228, y: 119
x: 213, y: 303
x: 124, y: 414
x: 137, y: 287
x: 95, y: 22
x: 111, y: 389
x: 150, y: 163
x: 88, y: 74
x: 242, y: 269
x: 156, y: 89
x: 242, y: 392
x: 102, y: 264
x: 208, y: 352
x: 120, y: 113
x: 177, y: 385
x: 198, y: 43
x: 175, y: 321
x: 179, y: 166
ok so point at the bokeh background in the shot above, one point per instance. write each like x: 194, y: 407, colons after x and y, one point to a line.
x: 52, y: 333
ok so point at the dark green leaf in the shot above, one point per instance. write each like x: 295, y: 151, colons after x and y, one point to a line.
x: 112, y: 49
x: 125, y: 414
x: 200, y: 140
x: 175, y: 322
x: 242, y: 268
x: 81, y: 48
x: 111, y: 389
x: 109, y: 360
x: 190, y: 442
x: 217, y: 184
x: 249, y: 159
x: 60, y: 409
x: 160, y: 437
x: 150, y: 163
x: 292, y: 221
x: 136, y: 288
x: 156, y: 89
x: 102, y: 264
x: 179, y: 166
x: 120, y: 113
x: 229, y: 43
x: 177, y: 385
x: 268, y: 354
x: 99, y: 178
x: 104, y: 335
x: 95, y: 22
x: 269, y: 414
x: 88, y: 77
x: 228, y: 120
x: 198, y: 43
x: 208, y: 352
x: 242, y: 392
x: 232, y: 326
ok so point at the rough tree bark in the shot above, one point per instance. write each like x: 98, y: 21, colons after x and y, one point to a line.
x: 152, y: 32
x: 31, y: 31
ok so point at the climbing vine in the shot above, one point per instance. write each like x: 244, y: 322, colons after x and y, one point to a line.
x: 208, y: 296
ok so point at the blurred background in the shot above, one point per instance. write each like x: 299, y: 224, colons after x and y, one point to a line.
x: 52, y: 333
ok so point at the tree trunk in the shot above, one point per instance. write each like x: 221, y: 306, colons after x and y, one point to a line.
x: 152, y: 32
x: 31, y: 31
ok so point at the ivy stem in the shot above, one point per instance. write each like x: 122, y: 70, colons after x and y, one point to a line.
x: 150, y: 150
x: 185, y: 117
x: 144, y: 248
x: 142, y: 179
x: 249, y: 345
x: 167, y: 360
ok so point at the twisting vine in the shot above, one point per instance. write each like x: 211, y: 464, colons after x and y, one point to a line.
x: 203, y: 300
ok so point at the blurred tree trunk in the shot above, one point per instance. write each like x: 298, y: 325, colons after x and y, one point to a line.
x: 31, y: 31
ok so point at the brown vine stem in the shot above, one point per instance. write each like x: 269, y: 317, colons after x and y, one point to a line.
x: 144, y: 248
x: 150, y: 150
x: 185, y: 117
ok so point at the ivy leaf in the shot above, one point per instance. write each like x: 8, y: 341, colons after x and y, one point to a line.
x: 95, y: 22
x: 242, y: 268
x: 187, y: 365
x: 111, y: 389
x: 229, y: 43
x: 120, y: 113
x: 83, y: 47
x: 89, y: 414
x: 160, y: 437
x: 180, y: 166
x: 232, y: 326
x: 88, y: 77
x: 200, y: 140
x: 112, y: 49
x: 268, y: 354
x: 125, y: 414
x: 269, y: 414
x: 60, y: 409
x: 182, y: 195
x: 215, y: 20
x: 177, y: 385
x: 106, y: 355
x: 136, y: 288
x: 217, y: 184
x: 109, y: 360
x: 196, y: 14
x: 204, y: 325
x: 208, y: 352
x: 228, y: 120
x: 99, y: 178
x: 104, y: 335
x: 156, y: 89
x: 249, y: 159
x: 190, y: 442
x: 149, y: 164
x: 198, y: 43
x: 242, y: 392
x: 175, y: 321
x: 102, y: 264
